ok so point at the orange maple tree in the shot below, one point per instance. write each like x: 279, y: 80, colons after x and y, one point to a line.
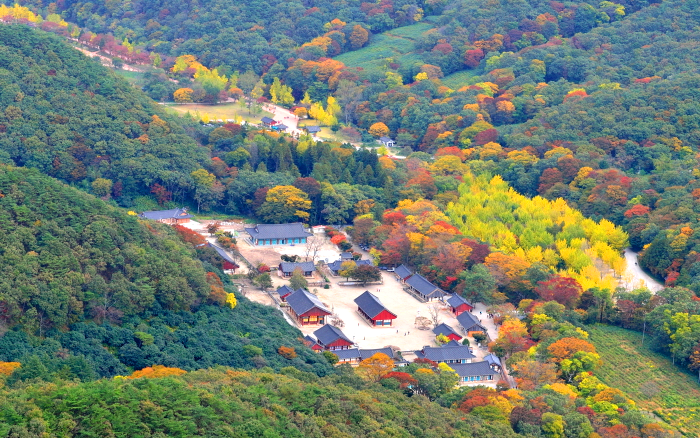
x: 156, y: 371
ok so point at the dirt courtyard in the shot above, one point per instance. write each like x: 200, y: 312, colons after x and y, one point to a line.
x: 404, y: 333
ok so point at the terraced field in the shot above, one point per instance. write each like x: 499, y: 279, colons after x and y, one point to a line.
x: 649, y: 378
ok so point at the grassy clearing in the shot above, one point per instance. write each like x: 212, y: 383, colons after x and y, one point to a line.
x: 649, y: 378
x: 224, y: 111
x: 134, y: 77
x: 459, y: 79
x: 398, y: 44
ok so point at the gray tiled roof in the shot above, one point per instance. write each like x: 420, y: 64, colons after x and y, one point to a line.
x: 312, y: 128
x: 302, y: 301
x: 289, y: 267
x: 312, y: 342
x: 329, y: 334
x: 347, y: 255
x: 175, y: 213
x: 267, y: 120
x: 222, y: 253
x: 278, y: 231
x: 385, y: 139
x: 337, y: 265
x: 453, y: 343
x: 424, y: 287
x: 282, y: 127
x: 350, y: 354
x: 445, y: 353
x: 467, y: 320
x: 370, y: 304
x: 457, y: 300
x: 492, y: 359
x: 403, y: 272
x: 445, y: 329
x: 285, y: 290
x: 473, y: 369
x: 365, y: 354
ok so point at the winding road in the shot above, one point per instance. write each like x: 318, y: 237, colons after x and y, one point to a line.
x: 637, y: 275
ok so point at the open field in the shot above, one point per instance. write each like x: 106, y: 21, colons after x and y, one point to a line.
x: 398, y: 44
x: 224, y: 111
x: 649, y: 378
x: 459, y: 79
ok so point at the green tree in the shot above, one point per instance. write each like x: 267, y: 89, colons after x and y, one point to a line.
x: 297, y: 281
x: 553, y: 425
x: 263, y: 281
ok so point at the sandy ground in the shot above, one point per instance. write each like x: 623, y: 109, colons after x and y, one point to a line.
x: 404, y: 333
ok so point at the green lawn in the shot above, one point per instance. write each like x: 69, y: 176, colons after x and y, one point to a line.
x: 649, y: 378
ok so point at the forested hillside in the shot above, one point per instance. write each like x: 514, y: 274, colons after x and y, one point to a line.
x: 233, y: 403
x: 216, y: 30
x: 89, y: 291
x: 73, y: 119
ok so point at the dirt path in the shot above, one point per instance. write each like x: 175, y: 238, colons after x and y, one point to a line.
x: 638, y: 277
x: 106, y: 61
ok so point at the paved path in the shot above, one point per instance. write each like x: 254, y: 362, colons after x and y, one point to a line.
x: 638, y: 277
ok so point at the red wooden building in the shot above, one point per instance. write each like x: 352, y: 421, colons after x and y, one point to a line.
x: 370, y: 308
x: 332, y: 338
x: 459, y: 305
x: 449, y: 332
x: 306, y: 308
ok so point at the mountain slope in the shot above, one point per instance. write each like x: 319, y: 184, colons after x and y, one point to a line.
x: 73, y: 119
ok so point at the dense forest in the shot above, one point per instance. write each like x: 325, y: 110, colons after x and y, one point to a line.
x: 90, y: 291
x: 74, y: 120
x: 592, y: 107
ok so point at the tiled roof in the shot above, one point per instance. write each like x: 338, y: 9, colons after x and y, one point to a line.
x: 370, y: 304
x: 444, y: 329
x: 492, y: 359
x: 403, y: 272
x: 351, y: 354
x: 175, y: 213
x: 365, y: 354
x: 222, y: 253
x: 385, y: 139
x: 473, y: 369
x: 329, y: 334
x: 347, y: 255
x: 337, y: 265
x: 424, y: 287
x: 442, y: 354
x: 457, y: 300
x: 467, y: 320
x: 302, y: 301
x: 285, y: 290
x: 312, y: 128
x: 453, y: 343
x: 291, y: 266
x: 267, y: 120
x: 278, y: 231
x: 311, y: 342
x: 282, y: 127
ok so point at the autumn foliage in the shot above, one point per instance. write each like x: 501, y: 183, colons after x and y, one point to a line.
x: 7, y: 368
x: 156, y: 371
x: 287, y: 352
x: 565, y: 348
